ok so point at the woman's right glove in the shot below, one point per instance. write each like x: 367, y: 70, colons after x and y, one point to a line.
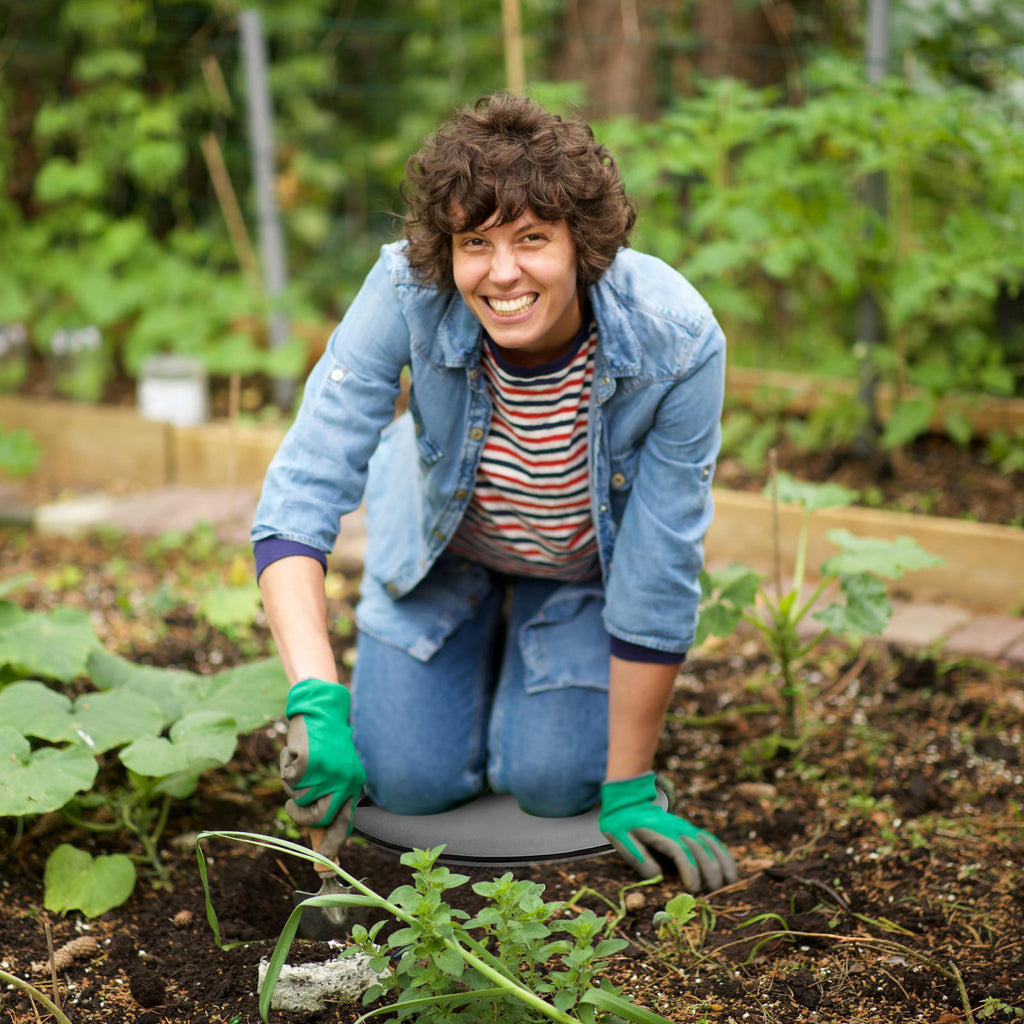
x: 320, y: 768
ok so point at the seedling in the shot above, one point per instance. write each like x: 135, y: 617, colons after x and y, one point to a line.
x: 511, y: 968
x: 739, y: 594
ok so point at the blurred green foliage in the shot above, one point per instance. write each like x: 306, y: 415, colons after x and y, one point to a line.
x: 110, y: 219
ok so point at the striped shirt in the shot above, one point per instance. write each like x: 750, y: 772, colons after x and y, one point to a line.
x: 529, y: 514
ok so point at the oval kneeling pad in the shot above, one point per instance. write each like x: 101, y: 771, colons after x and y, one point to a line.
x: 488, y: 831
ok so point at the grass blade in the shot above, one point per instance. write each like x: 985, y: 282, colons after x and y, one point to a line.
x: 611, y: 1003
x: 277, y: 959
x: 455, y: 997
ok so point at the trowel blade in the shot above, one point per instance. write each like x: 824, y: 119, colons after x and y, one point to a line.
x: 322, y: 923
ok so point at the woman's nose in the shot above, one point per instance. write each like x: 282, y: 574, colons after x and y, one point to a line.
x: 504, y: 266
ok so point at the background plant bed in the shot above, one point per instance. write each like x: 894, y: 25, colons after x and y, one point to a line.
x: 983, y: 564
x: 899, y: 826
x: 800, y: 394
x: 99, y: 446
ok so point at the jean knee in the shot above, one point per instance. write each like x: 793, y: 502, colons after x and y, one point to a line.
x: 405, y: 789
x: 548, y: 796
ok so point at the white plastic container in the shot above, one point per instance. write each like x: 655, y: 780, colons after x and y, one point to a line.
x: 173, y: 389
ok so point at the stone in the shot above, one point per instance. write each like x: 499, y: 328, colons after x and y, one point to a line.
x: 987, y: 636
x: 310, y: 987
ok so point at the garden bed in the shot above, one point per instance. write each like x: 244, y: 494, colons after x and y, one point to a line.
x: 879, y: 871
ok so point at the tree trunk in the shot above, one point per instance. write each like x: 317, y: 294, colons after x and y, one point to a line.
x: 609, y: 45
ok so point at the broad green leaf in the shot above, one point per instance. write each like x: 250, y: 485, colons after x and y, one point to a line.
x: 51, y: 645
x: 156, y: 162
x: 60, y: 179
x: 716, y: 620
x: 75, y: 880
x: 200, y: 740
x: 813, y: 497
x: 97, y: 721
x: 92, y: 67
x: 33, y: 782
x: 867, y: 609
x: 449, y: 961
x: 737, y: 585
x: 167, y: 687
x: 888, y: 558
x: 252, y: 694
x: 227, y: 608
x: 909, y: 419
x: 681, y: 907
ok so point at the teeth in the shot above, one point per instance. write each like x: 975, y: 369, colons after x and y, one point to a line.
x: 507, y: 306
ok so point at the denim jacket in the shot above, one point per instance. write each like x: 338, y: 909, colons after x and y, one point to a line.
x: 654, y: 435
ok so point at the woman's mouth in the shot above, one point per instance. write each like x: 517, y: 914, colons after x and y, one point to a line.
x: 510, y: 307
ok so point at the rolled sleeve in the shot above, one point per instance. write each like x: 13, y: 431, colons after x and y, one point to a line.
x: 319, y: 472
x: 653, y: 586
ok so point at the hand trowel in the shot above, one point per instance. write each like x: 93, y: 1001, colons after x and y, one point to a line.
x: 323, y: 923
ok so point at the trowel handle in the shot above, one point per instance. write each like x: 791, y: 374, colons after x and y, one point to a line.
x: 316, y: 838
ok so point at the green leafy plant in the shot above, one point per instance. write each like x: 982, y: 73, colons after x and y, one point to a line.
x: 505, y: 963
x: 153, y: 731
x: 673, y: 920
x: 739, y: 594
x: 19, y: 453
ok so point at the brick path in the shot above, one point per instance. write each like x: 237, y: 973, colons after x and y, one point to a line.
x: 940, y: 628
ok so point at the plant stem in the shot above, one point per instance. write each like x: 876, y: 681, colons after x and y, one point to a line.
x: 776, y: 545
x: 34, y: 993
x: 521, y: 993
x: 90, y: 826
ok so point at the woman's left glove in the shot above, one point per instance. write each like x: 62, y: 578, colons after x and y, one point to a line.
x: 320, y: 768
x: 635, y: 825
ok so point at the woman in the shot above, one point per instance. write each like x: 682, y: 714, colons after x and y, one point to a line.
x: 536, y: 518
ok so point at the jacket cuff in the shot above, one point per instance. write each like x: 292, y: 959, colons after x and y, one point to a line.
x: 270, y: 549
x: 635, y: 652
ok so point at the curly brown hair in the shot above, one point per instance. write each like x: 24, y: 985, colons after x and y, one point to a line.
x: 508, y: 154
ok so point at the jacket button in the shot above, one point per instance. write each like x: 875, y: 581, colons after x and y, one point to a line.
x: 606, y: 381
x: 337, y: 374
x: 618, y: 480
x: 460, y: 494
x: 418, y: 429
x: 476, y: 434
x: 705, y: 473
x: 392, y: 588
x: 602, y: 508
x: 438, y: 535
x: 473, y: 374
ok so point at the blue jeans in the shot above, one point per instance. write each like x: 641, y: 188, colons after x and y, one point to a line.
x: 514, y: 699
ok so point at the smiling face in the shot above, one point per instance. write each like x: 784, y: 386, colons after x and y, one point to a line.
x: 519, y: 279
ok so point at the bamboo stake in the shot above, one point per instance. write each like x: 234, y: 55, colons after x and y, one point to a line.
x: 512, y: 32
x: 230, y: 209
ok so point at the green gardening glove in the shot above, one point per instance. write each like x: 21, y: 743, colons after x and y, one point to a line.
x: 320, y: 768
x: 634, y: 823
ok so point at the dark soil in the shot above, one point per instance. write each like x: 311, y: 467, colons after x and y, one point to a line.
x: 880, y: 871
x: 932, y: 477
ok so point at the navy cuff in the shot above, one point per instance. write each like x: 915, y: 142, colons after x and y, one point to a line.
x: 635, y: 652
x: 270, y: 549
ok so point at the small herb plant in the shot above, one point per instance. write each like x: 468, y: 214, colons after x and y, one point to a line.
x: 739, y: 594
x: 154, y: 731
x: 507, y: 963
